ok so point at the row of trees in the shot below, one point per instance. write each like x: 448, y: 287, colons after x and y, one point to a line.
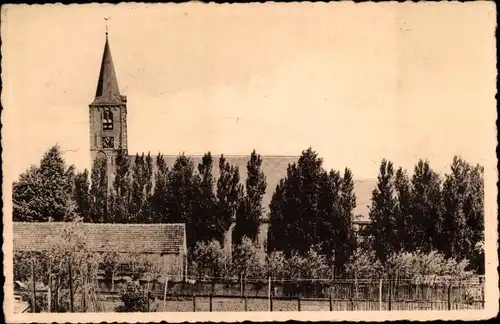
x: 141, y: 193
x: 310, y: 207
x: 426, y: 212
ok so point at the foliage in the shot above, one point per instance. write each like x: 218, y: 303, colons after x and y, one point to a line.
x: 404, y: 233
x: 276, y: 264
x: 463, y: 224
x: 45, y: 192
x: 382, y: 213
x: 82, y: 194
x: 312, y: 207
x: 209, y: 260
x: 98, y: 211
x: 426, y: 208
x: 229, y: 194
x: 133, y: 298
x: 250, y: 210
x: 247, y: 261
x: 206, y: 225
x: 158, y: 202
x: 417, y: 266
x: 426, y: 267
x: 119, y: 200
x: 67, y: 259
x: 364, y: 264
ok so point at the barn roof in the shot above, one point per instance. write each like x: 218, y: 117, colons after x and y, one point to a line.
x: 274, y: 168
x: 122, y: 238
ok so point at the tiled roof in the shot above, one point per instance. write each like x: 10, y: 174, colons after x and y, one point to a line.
x: 122, y: 238
x: 274, y: 168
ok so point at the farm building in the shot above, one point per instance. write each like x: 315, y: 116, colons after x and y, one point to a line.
x: 164, y: 244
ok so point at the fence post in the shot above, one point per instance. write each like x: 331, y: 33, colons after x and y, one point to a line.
x: 194, y: 302
x: 149, y: 306
x: 33, y: 277
x: 380, y: 295
x: 331, y: 301
x: 298, y: 303
x: 269, y: 294
x: 246, y: 303
x: 165, y: 294
x: 390, y: 295
x: 449, y: 297
x: 70, y: 287
x: 210, y: 301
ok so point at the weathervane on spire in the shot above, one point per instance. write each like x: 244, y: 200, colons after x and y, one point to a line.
x: 106, y: 19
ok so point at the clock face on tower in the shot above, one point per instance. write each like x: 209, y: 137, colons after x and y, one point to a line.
x: 108, y: 142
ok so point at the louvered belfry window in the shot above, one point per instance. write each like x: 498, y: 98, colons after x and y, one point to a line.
x: 107, y: 120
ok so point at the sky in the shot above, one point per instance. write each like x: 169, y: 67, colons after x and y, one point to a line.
x: 356, y: 82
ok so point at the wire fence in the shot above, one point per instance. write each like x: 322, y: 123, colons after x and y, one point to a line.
x: 230, y: 294
x: 194, y: 294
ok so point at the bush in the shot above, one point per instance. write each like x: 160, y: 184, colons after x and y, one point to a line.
x: 134, y: 299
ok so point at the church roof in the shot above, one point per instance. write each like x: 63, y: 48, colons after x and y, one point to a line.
x: 121, y: 238
x: 108, y: 92
x: 274, y: 168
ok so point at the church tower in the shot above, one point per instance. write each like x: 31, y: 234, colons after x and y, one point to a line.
x: 108, y: 116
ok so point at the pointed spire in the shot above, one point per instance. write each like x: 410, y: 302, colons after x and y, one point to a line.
x: 107, y: 86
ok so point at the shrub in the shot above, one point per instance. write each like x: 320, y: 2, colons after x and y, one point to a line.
x: 134, y: 298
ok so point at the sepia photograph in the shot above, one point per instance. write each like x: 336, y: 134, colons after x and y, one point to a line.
x: 262, y: 161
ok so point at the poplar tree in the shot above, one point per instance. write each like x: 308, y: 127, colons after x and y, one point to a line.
x: 404, y: 231
x: 205, y: 220
x: 119, y: 202
x: 82, y: 194
x: 250, y: 211
x: 295, y: 216
x: 98, y: 207
x: 345, y: 237
x: 463, y: 223
x: 229, y: 194
x: 182, y: 196
x: 426, y: 208
x: 158, y: 200
x: 382, y: 213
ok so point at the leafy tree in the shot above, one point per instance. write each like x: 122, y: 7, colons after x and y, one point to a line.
x: 463, y: 223
x: 208, y: 260
x: 205, y: 223
x: 133, y: 298
x: 404, y: 234
x: 45, y: 192
x: 364, y: 264
x: 82, y: 194
x: 98, y: 206
x: 345, y: 238
x: 158, y: 201
x: 141, y: 187
x: 182, y: 196
x: 119, y: 202
x: 426, y: 208
x: 246, y: 260
x: 294, y: 211
x: 382, y: 213
x: 229, y: 194
x: 250, y: 211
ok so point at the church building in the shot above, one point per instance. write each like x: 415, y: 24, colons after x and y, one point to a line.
x: 108, y: 136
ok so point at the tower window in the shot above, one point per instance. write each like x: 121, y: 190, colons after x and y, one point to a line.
x: 107, y: 120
